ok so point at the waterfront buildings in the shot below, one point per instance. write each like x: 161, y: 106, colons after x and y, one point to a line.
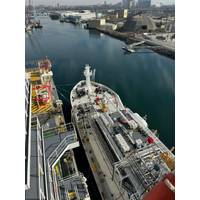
x: 141, y: 23
x: 117, y: 14
x: 82, y: 15
x: 109, y: 26
x: 101, y: 24
x: 96, y: 23
x: 122, y: 13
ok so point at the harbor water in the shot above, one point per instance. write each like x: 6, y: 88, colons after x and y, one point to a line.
x: 144, y: 80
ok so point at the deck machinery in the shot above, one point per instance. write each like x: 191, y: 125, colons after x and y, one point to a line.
x: 126, y: 157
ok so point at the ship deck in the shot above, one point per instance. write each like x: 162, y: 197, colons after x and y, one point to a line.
x: 52, y: 140
x: 107, y: 157
x: 112, y: 98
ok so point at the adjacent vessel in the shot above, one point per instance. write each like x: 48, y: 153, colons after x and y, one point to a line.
x: 127, y: 159
x: 51, y: 171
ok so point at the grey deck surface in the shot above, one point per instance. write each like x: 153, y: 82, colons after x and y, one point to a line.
x: 33, y: 192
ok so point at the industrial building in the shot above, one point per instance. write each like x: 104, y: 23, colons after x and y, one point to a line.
x: 96, y: 23
x: 102, y: 24
x: 122, y: 13
x: 83, y: 15
x: 109, y: 26
x: 117, y: 15
x: 141, y: 23
x: 170, y: 27
x: 112, y: 15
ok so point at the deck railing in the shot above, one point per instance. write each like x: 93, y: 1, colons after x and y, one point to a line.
x: 61, y: 147
x: 57, y: 153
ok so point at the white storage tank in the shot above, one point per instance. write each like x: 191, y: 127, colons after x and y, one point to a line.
x: 138, y: 143
x: 123, y: 144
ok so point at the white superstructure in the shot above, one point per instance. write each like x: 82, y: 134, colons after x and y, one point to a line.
x: 84, y: 15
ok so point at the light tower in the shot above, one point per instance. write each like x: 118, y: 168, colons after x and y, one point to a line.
x: 87, y: 73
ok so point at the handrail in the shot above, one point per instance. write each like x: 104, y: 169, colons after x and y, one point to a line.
x: 70, y: 138
x: 59, y: 149
x: 61, y: 181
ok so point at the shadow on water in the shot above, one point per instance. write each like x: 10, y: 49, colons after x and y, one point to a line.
x: 94, y: 33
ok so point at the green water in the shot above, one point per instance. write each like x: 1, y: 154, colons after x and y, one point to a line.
x: 144, y: 81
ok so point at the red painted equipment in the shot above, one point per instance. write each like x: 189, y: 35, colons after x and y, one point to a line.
x: 164, y: 190
x: 97, y: 100
x: 43, y: 93
x: 150, y: 140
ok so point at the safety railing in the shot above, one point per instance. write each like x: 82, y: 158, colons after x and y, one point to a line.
x: 61, y: 147
x: 69, y: 139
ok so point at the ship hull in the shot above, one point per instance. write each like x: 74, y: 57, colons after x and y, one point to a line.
x: 117, y: 142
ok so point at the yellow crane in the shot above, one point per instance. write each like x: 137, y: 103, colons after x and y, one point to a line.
x: 166, y: 157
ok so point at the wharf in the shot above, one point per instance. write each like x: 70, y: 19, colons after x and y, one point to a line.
x: 129, y: 38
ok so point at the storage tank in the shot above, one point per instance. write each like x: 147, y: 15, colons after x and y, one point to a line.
x: 123, y: 144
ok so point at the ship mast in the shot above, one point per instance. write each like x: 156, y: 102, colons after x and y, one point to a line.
x: 87, y: 73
